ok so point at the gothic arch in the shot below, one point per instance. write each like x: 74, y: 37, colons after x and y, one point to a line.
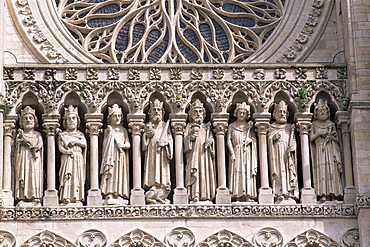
x: 114, y: 97
x: 138, y: 238
x: 312, y: 237
x: 225, y: 238
x: 47, y: 238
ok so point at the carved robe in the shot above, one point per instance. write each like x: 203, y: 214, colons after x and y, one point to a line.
x: 29, y: 166
x: 115, y: 163
x: 200, y: 163
x: 326, y: 159
x: 241, y: 141
x: 157, y: 159
x: 72, y: 173
x: 283, y: 163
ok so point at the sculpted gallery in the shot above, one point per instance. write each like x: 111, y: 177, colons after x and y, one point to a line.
x: 184, y: 123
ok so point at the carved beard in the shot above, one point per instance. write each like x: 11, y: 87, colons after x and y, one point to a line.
x: 198, y: 120
x: 157, y: 117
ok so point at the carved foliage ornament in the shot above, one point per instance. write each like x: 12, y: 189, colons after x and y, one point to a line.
x: 92, y: 238
x: 225, y: 238
x: 7, y: 239
x: 137, y: 238
x: 47, y: 239
x: 180, y: 237
x: 268, y: 237
x: 175, y: 31
x: 312, y: 238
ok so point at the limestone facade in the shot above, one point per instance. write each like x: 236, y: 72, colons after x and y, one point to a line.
x: 313, y: 51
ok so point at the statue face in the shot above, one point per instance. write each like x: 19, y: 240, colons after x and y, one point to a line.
x: 322, y: 113
x: 72, y: 121
x: 156, y: 114
x: 116, y: 118
x: 197, y: 115
x: 242, y: 114
x: 281, y: 116
x: 28, y: 121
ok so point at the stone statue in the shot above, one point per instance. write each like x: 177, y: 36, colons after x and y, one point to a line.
x: 72, y: 145
x: 28, y: 159
x: 158, y: 148
x: 241, y: 141
x: 282, y: 155
x: 115, y: 159
x: 325, y: 153
x: 200, y: 156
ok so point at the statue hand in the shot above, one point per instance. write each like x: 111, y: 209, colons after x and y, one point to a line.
x: 193, y: 137
x: 277, y: 137
x: 162, y: 144
x: 208, y: 143
x: 324, y: 134
x: 232, y: 157
x: 290, y: 148
x: 150, y: 133
x: 71, y: 144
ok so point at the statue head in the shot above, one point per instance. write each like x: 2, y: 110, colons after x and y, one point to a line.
x: 281, y: 113
x: 71, y: 120
x: 156, y: 111
x: 28, y: 118
x: 322, y: 110
x: 197, y: 113
x: 242, y: 111
x: 115, y: 115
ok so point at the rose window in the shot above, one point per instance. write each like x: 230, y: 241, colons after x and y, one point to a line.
x: 171, y: 31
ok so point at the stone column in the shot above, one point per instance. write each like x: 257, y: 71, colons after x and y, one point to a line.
x: 2, y: 106
x: 178, y: 122
x: 262, y: 121
x: 220, y: 127
x: 93, y: 125
x: 136, y: 124
x: 9, y: 125
x: 343, y: 120
x: 51, y: 122
x: 303, y: 121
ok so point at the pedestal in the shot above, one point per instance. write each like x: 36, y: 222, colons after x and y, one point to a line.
x: 50, y: 198
x: 94, y: 197
x: 223, y: 196
x: 265, y: 196
x: 137, y: 197
x: 308, y: 196
x: 180, y: 196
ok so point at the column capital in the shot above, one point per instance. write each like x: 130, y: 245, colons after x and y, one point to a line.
x: 262, y: 121
x: 9, y: 124
x: 303, y: 121
x: 220, y: 122
x: 94, y: 123
x: 343, y: 119
x: 51, y: 122
x: 136, y: 122
x: 178, y: 123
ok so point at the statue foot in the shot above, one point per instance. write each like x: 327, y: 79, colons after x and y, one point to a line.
x: 323, y: 199
x: 36, y: 200
x: 66, y: 201
x: 196, y: 199
x: 151, y: 201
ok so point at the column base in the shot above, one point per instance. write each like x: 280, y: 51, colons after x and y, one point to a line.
x: 308, y: 196
x: 180, y: 196
x: 94, y: 197
x: 50, y: 198
x: 265, y: 196
x: 7, y: 198
x: 349, y: 194
x: 137, y: 197
x: 223, y: 196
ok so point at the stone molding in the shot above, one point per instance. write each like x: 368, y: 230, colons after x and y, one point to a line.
x: 362, y: 201
x: 94, y: 92
x: 176, y: 211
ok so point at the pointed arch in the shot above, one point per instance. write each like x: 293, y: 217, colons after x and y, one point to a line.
x: 138, y: 238
x: 47, y: 238
x: 225, y: 238
x: 312, y: 237
x: 7, y: 239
